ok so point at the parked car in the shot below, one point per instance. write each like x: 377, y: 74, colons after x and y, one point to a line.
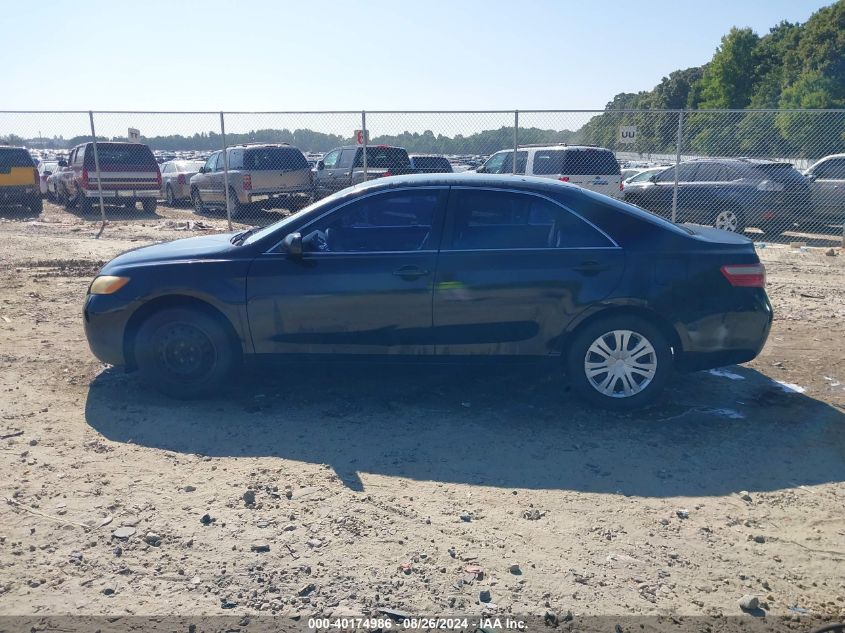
x: 441, y: 266
x: 593, y: 168
x: 45, y: 169
x: 430, y: 164
x: 264, y: 175
x: 640, y: 175
x: 728, y: 193
x: 54, y: 180
x: 625, y: 174
x: 827, y: 187
x: 129, y: 174
x: 344, y: 166
x: 176, y: 180
x: 19, y: 179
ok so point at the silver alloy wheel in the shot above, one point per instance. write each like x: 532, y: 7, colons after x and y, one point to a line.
x: 171, y: 201
x: 727, y: 220
x: 620, y: 363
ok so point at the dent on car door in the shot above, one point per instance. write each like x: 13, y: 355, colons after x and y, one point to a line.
x: 363, y: 284
x: 514, y: 269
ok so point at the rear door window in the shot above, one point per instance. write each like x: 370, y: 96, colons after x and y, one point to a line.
x: 589, y: 161
x: 385, y: 158
x: 496, y: 220
x: 123, y: 154
x: 14, y: 157
x: 347, y: 157
x: 274, y: 159
x: 833, y: 169
x: 711, y: 172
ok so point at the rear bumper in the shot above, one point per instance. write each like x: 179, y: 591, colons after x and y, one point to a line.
x: 727, y: 338
x: 121, y: 193
x: 18, y: 193
x: 263, y: 196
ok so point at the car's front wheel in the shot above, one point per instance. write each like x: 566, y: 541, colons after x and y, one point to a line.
x: 620, y: 362
x: 168, y: 195
x: 196, y: 201
x: 185, y: 353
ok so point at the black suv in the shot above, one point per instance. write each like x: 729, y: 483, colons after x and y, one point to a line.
x: 728, y: 193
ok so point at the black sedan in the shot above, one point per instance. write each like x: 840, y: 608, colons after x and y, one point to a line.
x: 441, y: 267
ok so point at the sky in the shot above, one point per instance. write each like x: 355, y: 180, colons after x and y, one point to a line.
x: 375, y: 55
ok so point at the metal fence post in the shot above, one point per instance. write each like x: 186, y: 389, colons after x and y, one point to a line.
x: 515, y: 138
x: 97, y: 169
x: 677, y: 162
x: 226, y: 171
x: 364, y: 142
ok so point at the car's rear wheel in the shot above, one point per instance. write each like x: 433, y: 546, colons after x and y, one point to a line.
x: 36, y: 205
x: 729, y: 220
x: 149, y: 205
x: 185, y: 353
x: 196, y: 201
x: 237, y: 208
x: 83, y: 203
x: 621, y: 362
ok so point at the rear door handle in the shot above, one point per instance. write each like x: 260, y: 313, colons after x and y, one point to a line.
x: 410, y: 272
x: 590, y: 267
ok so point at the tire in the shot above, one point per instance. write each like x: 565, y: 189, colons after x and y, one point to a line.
x: 588, y: 352
x: 36, y: 205
x: 237, y: 208
x: 149, y: 205
x: 83, y: 203
x: 168, y: 196
x: 185, y: 353
x: 197, y: 202
x: 729, y: 220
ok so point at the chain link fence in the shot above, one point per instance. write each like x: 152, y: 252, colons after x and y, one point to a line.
x: 771, y: 174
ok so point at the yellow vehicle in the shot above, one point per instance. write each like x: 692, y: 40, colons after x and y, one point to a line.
x: 19, y: 179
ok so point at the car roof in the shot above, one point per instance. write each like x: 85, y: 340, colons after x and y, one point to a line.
x: 473, y: 179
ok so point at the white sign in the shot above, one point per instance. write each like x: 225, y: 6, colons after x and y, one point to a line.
x: 627, y: 133
x: 359, y: 137
x: 134, y: 135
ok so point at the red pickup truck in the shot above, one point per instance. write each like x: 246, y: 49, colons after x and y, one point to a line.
x: 128, y: 174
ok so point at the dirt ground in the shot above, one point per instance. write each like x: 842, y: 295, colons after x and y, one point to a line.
x: 352, y: 489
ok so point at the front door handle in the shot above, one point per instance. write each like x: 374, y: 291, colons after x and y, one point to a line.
x: 410, y: 272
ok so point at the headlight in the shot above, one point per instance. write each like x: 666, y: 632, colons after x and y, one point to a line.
x: 107, y: 284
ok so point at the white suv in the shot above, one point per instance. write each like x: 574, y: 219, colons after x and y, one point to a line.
x: 587, y: 166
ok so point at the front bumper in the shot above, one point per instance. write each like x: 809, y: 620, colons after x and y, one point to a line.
x: 105, y: 325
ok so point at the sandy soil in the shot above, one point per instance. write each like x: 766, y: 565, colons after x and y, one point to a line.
x: 349, y: 489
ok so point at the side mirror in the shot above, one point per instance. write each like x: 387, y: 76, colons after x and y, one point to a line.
x: 320, y: 165
x: 293, y: 244
x: 480, y: 169
x: 811, y: 177
x: 652, y: 178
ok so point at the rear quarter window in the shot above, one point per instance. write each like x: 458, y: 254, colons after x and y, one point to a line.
x: 129, y: 154
x: 589, y: 161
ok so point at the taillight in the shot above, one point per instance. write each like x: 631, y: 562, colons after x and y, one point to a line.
x: 158, y: 176
x: 84, y: 178
x: 564, y: 178
x: 247, y: 182
x: 35, y: 175
x: 745, y: 275
x: 386, y: 174
x: 621, y: 186
x: 181, y: 179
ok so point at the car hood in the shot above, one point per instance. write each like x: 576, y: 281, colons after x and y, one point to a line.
x: 202, y: 247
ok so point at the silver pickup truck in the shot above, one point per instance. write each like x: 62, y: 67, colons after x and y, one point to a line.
x: 344, y: 166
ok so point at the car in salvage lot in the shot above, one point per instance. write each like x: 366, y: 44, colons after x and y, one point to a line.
x: 827, y: 188
x: 259, y: 175
x: 176, y: 179
x: 441, y: 267
x: 128, y: 174
x: 728, y: 193
x: 344, y: 166
x: 19, y: 180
